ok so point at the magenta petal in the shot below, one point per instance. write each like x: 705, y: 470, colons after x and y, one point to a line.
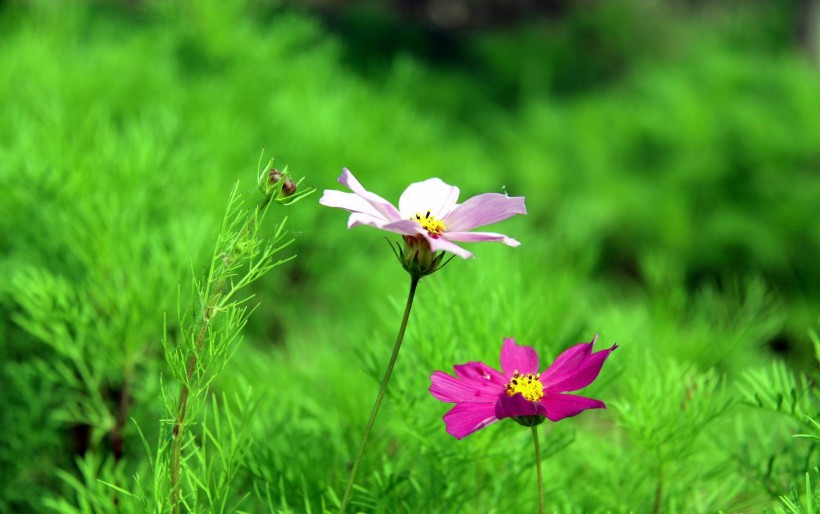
x: 479, y: 371
x: 522, y: 359
x: 575, y: 369
x: 466, y: 418
x: 484, y: 210
x: 381, y: 205
x: 573, y: 355
x: 448, y: 388
x: 565, y: 363
x: 560, y: 406
x: 432, y: 195
x: 517, y: 405
x: 474, y: 237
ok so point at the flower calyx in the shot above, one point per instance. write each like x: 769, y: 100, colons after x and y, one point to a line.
x: 417, y: 258
x: 529, y: 421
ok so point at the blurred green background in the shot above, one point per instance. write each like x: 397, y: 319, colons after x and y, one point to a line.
x: 669, y: 153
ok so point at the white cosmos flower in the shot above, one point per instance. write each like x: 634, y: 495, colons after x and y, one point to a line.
x: 429, y: 210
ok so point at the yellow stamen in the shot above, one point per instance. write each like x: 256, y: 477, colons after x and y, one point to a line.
x: 528, y: 385
x: 429, y: 222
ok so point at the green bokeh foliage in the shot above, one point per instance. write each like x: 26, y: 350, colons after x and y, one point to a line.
x: 672, y: 209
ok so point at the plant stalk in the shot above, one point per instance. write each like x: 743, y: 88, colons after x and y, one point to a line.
x: 414, y: 280
x: 538, y: 470
x: 202, y: 332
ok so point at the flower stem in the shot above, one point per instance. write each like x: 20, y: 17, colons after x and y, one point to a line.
x: 538, y: 470
x: 414, y: 280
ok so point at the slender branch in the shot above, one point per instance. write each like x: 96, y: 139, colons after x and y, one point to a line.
x: 123, y: 400
x: 656, y: 508
x: 208, y: 314
x: 414, y: 280
x: 538, y: 469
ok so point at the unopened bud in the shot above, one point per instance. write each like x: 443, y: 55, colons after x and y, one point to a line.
x: 288, y: 186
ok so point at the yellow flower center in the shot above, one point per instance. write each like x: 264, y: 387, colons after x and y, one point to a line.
x: 429, y: 223
x: 528, y: 385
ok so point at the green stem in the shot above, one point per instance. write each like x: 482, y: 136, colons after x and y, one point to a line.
x: 210, y: 310
x: 414, y: 280
x: 538, y: 470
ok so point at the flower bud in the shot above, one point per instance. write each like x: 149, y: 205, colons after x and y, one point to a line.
x: 288, y: 186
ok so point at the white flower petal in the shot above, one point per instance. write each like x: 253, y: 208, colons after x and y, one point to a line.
x: 440, y: 243
x: 348, y: 201
x: 385, y: 208
x: 406, y: 227
x: 432, y: 194
x: 475, y: 237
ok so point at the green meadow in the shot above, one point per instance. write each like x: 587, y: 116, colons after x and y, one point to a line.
x: 670, y: 161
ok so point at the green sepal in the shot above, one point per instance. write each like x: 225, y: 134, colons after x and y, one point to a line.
x: 529, y: 421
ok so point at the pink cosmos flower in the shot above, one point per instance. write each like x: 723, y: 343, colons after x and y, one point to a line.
x: 427, y: 210
x: 483, y: 395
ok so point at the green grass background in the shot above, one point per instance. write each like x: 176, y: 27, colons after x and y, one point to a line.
x: 672, y: 176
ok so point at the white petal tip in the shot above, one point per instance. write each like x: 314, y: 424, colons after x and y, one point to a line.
x: 324, y: 199
x: 343, y: 178
x: 511, y: 242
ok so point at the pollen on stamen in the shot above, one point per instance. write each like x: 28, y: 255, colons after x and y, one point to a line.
x: 433, y: 226
x: 528, y: 385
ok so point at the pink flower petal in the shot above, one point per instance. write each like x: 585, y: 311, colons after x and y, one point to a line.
x: 448, y: 388
x: 358, y: 218
x: 517, y: 405
x: 349, y: 201
x: 522, y: 359
x: 441, y: 243
x: 483, y: 210
x: 466, y: 418
x: 473, y: 237
x: 381, y: 205
x: 406, y: 227
x: 575, y: 369
x: 479, y: 371
x: 431, y: 195
x: 398, y: 227
x: 560, y: 406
